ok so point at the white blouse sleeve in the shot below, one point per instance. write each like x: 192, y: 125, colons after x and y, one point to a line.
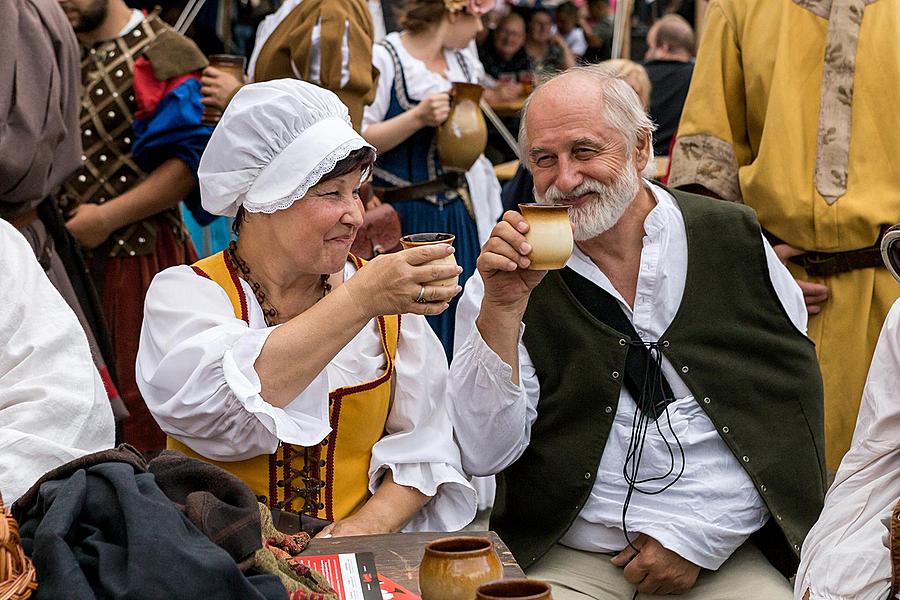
x: 492, y: 416
x: 195, y: 370
x: 375, y: 112
x: 846, y: 555
x: 53, y: 406
x: 419, y: 448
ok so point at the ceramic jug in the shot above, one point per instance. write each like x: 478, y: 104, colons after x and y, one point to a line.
x: 463, y: 136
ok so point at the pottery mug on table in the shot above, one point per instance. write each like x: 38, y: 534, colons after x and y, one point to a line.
x: 549, y: 233
x: 415, y: 240
x: 514, y: 589
x: 454, y: 567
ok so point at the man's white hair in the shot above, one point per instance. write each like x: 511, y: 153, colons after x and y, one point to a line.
x: 621, y: 108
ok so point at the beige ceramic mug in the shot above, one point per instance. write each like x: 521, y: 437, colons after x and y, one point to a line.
x: 454, y: 567
x: 414, y: 240
x: 549, y: 233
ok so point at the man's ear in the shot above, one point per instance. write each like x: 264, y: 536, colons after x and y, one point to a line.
x: 642, y: 151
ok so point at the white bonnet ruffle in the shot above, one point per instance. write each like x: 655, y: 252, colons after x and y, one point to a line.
x: 274, y: 142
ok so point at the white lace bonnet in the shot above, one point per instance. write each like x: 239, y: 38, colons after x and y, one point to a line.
x: 274, y: 142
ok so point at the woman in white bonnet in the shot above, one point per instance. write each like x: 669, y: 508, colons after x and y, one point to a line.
x: 283, y: 359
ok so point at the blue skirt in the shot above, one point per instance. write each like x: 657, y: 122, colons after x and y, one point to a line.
x: 420, y: 216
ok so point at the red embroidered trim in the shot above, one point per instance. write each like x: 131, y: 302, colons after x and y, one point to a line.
x: 287, y: 460
x: 245, y: 315
x: 273, y: 491
x: 201, y: 272
x: 335, y: 397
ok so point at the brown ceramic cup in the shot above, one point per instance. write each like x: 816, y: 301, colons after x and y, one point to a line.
x: 414, y: 240
x: 549, y: 233
x: 454, y: 567
x: 230, y: 63
x: 517, y: 589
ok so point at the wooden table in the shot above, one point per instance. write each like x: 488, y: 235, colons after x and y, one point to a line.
x: 397, y: 555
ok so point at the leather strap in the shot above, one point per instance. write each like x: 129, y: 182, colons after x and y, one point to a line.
x: 825, y: 264
x: 446, y: 181
x: 638, y: 360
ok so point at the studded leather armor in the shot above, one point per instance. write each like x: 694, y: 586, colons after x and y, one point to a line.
x: 107, y: 111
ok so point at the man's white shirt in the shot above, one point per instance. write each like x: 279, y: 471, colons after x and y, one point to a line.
x: 714, y: 507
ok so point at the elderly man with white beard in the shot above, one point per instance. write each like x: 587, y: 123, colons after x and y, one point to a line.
x: 653, y: 410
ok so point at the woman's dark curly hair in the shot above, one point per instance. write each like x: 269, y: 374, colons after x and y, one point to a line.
x: 358, y: 160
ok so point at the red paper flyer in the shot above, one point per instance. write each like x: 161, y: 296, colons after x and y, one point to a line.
x: 352, y: 575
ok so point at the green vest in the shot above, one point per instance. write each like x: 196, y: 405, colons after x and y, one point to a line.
x: 753, y: 373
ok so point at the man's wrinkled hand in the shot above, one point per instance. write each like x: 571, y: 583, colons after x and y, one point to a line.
x: 89, y: 225
x: 814, y: 294
x: 503, y: 262
x: 656, y: 569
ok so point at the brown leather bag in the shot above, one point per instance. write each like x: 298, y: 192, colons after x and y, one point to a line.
x: 379, y: 233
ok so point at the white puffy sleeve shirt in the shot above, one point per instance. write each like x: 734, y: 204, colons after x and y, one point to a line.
x: 846, y: 556
x: 195, y: 369
x: 420, y: 82
x: 53, y: 406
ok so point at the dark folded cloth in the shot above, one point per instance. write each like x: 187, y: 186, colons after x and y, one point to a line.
x: 218, y: 503
x: 101, y: 527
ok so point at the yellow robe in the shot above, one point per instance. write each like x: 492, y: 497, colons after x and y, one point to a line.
x: 749, y: 133
x: 340, y: 463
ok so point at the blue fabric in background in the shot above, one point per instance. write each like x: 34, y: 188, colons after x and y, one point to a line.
x: 208, y: 239
x: 174, y: 130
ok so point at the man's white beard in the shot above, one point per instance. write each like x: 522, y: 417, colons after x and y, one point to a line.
x: 603, y: 211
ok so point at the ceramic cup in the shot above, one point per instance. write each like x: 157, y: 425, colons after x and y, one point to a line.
x: 518, y: 589
x: 230, y: 63
x: 415, y: 240
x: 549, y: 233
x: 454, y: 567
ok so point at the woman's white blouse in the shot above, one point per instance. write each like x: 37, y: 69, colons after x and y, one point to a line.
x: 195, y: 369
x: 846, y: 555
x: 420, y: 82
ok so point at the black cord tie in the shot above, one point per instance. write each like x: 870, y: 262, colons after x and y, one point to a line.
x: 652, y: 401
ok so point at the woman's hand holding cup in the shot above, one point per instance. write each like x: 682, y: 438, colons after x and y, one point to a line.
x: 405, y: 282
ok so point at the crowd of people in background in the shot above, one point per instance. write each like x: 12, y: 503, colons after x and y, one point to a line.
x: 680, y: 395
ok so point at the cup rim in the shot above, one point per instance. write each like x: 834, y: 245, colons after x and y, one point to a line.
x: 448, y: 238
x: 484, y: 589
x: 524, y: 205
x: 485, y: 544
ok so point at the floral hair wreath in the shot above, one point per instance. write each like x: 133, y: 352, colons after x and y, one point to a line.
x: 473, y: 7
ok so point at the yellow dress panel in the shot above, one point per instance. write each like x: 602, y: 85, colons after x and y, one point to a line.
x: 749, y: 132
x: 341, y: 461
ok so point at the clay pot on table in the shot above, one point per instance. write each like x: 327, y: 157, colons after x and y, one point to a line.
x: 515, y: 589
x: 454, y: 567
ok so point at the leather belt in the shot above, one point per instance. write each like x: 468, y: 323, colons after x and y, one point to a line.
x: 826, y: 264
x: 447, y: 181
x: 23, y: 220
